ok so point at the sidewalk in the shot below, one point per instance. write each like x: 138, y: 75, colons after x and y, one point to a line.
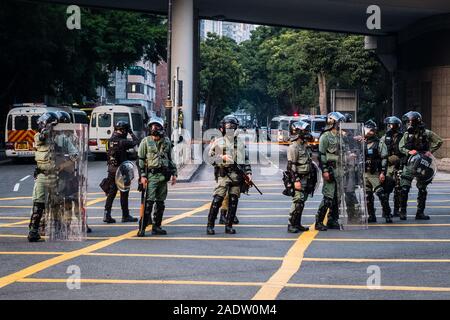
x: 3, y: 158
x: 444, y: 165
x: 187, y: 172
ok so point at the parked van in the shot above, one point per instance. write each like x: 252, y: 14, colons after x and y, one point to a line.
x: 21, y: 126
x: 102, y: 123
x: 279, y: 128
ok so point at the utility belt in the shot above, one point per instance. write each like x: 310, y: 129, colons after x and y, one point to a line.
x: 225, y: 171
x: 163, y: 170
x: 38, y: 171
x: 373, y: 166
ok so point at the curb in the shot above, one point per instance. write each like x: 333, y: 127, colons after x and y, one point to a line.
x: 191, y: 175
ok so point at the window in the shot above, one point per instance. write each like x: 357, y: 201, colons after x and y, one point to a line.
x: 9, y: 123
x: 135, y: 88
x: 93, y: 120
x: 34, y: 124
x: 284, y: 125
x: 21, y: 123
x: 138, y: 123
x: 121, y: 117
x: 104, y: 120
x: 81, y: 118
x: 318, y: 126
x: 136, y: 71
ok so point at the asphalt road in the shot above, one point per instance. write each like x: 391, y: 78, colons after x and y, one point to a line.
x: 262, y: 261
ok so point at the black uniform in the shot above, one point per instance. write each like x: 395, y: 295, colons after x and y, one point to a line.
x: 118, y: 145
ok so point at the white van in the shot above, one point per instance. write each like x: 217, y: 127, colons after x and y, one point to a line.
x: 21, y: 126
x: 102, y: 123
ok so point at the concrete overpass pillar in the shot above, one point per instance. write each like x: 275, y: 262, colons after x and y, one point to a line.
x: 183, y: 60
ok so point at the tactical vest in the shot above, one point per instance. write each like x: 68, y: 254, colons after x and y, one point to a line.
x: 116, y: 154
x: 373, y: 156
x: 332, y: 152
x: 418, y: 141
x: 157, y: 153
x: 392, y: 143
x: 303, y: 159
x: 235, y: 149
x: 43, y: 155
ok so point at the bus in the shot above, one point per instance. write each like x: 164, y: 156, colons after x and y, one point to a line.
x: 103, y: 119
x: 21, y: 127
x: 280, y: 127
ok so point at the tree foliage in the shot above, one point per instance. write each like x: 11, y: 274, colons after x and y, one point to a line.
x: 40, y: 56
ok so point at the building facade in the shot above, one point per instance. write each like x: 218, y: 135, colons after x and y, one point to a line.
x: 237, y: 31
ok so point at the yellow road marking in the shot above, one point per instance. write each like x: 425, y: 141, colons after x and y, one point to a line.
x: 365, y: 260
x: 291, y: 264
x: 184, y: 256
x: 356, y: 287
x: 215, y: 238
x: 30, y: 253
x: 236, y: 283
x: 14, y: 223
x: 11, y: 278
x: 378, y: 240
x: 120, y: 281
x: 24, y: 236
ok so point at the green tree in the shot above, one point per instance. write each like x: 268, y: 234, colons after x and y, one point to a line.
x: 220, y: 75
x: 40, y: 57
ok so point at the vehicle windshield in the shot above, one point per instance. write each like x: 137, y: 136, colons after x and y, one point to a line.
x: 318, y: 126
x: 138, y: 122
x: 21, y: 123
x: 121, y: 117
x: 274, y: 124
x: 284, y: 124
x: 34, y: 124
x: 104, y: 120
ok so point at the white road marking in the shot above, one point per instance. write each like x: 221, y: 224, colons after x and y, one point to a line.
x: 25, y: 178
x: 16, y: 187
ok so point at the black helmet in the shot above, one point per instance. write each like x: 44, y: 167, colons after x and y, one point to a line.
x: 122, y: 125
x: 229, y: 122
x: 412, y: 120
x: 300, y: 129
x: 393, y: 123
x: 156, y: 126
x: 48, y: 118
x: 370, y: 126
x: 63, y: 117
x: 348, y: 117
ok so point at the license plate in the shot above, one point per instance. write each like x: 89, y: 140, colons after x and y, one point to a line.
x: 25, y: 153
x: 22, y: 146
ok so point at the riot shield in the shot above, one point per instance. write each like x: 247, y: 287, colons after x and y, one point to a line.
x: 66, y: 200
x: 125, y: 175
x: 351, y: 184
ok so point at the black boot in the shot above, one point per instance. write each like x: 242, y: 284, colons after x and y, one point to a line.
x: 421, y: 200
x: 333, y: 217
x: 126, y: 217
x: 323, y: 209
x: 38, y: 212
x: 397, y: 199
x: 384, y: 200
x: 223, y: 216
x: 213, y: 211
x: 370, y: 207
x: 159, y: 211
x: 107, y: 217
x: 292, y: 226
x: 299, y: 206
x: 146, y: 219
x: 232, y: 209
x: 404, y: 202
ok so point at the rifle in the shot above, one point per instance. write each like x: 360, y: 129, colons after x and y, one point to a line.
x: 244, y: 177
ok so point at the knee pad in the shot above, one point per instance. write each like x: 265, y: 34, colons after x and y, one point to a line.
x: 328, y: 202
x: 380, y: 192
x: 217, y: 202
x: 234, y: 199
x: 299, y: 206
x: 405, y: 189
x: 160, y: 205
x: 38, y: 207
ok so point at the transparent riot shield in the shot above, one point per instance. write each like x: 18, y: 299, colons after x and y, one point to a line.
x: 66, y: 199
x: 126, y: 174
x: 351, y: 177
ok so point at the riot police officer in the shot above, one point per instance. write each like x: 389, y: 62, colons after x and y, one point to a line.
x: 45, y: 164
x: 417, y: 144
x: 395, y: 158
x: 227, y: 153
x: 376, y: 167
x: 301, y: 171
x: 117, y: 148
x: 328, y: 161
x: 156, y: 168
